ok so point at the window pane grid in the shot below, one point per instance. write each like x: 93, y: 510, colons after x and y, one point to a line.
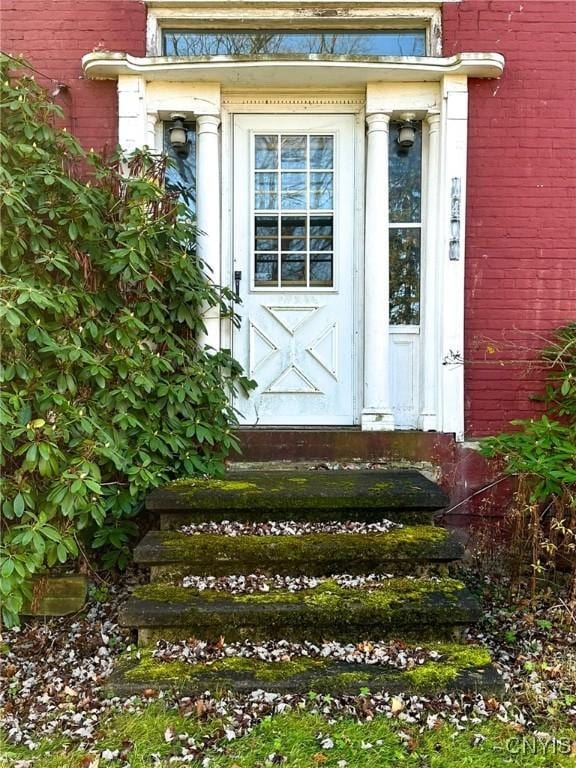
x: 293, y: 210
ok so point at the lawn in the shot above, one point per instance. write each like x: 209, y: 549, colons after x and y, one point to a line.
x: 302, y: 740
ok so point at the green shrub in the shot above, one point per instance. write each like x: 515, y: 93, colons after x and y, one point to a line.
x: 542, y: 455
x: 106, y: 390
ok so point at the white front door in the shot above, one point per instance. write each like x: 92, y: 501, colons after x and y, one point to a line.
x: 294, y: 266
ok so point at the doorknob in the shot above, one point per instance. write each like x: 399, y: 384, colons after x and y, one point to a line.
x: 237, y: 279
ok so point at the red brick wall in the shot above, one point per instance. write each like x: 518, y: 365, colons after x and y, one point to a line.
x: 521, y: 263
x: 55, y: 35
x: 521, y: 214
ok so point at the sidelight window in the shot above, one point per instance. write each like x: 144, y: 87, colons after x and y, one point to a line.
x: 405, y: 230
x: 181, y: 168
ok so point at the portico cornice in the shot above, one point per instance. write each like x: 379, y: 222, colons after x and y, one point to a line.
x: 315, y: 70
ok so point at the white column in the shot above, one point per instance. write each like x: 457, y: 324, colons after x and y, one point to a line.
x: 429, y: 288
x: 377, y: 412
x: 208, y: 213
x: 151, y: 123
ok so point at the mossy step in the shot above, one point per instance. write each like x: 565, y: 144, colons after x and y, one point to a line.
x: 423, y: 607
x: 401, y: 550
x: 465, y: 668
x: 401, y: 495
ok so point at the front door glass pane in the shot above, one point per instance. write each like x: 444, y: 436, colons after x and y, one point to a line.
x: 293, y: 211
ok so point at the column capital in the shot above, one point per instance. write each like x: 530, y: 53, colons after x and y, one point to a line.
x: 378, y: 121
x: 207, y: 123
x: 433, y: 119
x: 152, y: 119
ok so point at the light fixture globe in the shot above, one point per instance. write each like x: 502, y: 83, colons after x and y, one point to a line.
x: 406, y: 131
x: 178, y: 135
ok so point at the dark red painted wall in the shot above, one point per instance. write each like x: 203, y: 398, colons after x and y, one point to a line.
x: 521, y: 261
x: 521, y: 214
x: 55, y: 35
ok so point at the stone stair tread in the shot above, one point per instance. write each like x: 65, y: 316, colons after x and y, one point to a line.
x: 455, y: 672
x: 280, y: 493
x: 317, y: 554
x: 429, y: 607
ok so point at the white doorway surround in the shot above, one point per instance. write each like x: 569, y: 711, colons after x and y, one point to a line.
x: 368, y: 370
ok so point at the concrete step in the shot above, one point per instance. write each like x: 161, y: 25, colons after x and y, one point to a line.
x: 402, y: 495
x: 399, y: 551
x: 343, y: 444
x: 462, y: 668
x: 399, y: 606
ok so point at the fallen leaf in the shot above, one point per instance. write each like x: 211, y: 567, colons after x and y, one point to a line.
x: 90, y: 761
x: 319, y: 757
x: 396, y: 705
x: 492, y: 704
x: 412, y: 745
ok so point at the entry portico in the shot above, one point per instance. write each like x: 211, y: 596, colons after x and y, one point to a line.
x: 350, y: 313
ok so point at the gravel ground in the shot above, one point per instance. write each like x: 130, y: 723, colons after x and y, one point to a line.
x: 388, y: 654
x: 52, y: 676
x: 238, y: 584
x: 286, y: 528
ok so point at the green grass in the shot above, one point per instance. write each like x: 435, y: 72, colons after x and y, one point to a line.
x: 294, y: 736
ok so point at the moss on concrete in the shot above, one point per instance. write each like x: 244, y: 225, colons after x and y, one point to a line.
x: 448, y: 672
x: 327, y: 595
x: 214, y: 484
x: 151, y: 670
x: 296, y: 490
x: 434, y: 675
x: 315, y: 554
x: 425, y: 608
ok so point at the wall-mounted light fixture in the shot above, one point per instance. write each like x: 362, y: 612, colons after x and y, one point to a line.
x: 178, y: 135
x: 455, y: 199
x: 406, y: 130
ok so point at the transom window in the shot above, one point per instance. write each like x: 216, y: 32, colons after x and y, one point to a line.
x: 293, y: 210
x: 358, y: 42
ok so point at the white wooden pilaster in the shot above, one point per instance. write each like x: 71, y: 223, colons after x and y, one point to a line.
x: 453, y: 164
x: 132, y: 122
x: 208, y: 213
x: 429, y: 290
x: 377, y: 411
